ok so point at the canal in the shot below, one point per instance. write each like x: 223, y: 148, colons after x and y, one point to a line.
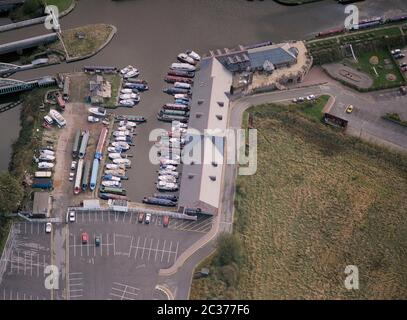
x: 152, y: 33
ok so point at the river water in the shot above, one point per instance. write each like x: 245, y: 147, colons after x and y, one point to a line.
x: 152, y: 32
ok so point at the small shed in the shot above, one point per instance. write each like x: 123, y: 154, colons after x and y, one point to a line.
x: 41, y: 207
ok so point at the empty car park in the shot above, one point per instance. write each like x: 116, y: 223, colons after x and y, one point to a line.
x: 27, y: 257
x: 122, y: 257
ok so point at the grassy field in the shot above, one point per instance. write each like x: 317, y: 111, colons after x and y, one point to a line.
x: 61, y: 4
x: 115, y: 81
x: 380, y: 81
x: 95, y: 36
x: 319, y: 201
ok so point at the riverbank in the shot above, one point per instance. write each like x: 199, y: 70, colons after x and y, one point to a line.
x: 318, y: 199
x: 33, y: 9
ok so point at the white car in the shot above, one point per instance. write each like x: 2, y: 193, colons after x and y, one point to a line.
x: 72, y: 216
x: 395, y: 51
x: 311, y: 97
x: 148, y: 218
x: 71, y: 176
x: 73, y: 165
x: 48, y: 227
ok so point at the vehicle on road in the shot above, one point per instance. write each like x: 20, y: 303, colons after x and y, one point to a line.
x: 72, y: 216
x: 48, y: 227
x: 148, y: 218
x: 141, y: 217
x: 84, y: 238
x: 349, y: 109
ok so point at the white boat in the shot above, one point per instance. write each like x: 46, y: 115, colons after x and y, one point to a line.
x: 166, y: 172
x: 170, y: 157
x: 49, y: 152
x: 114, y: 149
x: 121, y: 139
x: 111, y: 178
x: 45, y: 165
x: 161, y: 185
x: 122, y: 145
x: 193, y: 55
x: 127, y: 123
x: 46, y: 157
x: 126, y: 91
x: 167, y: 178
x: 182, y: 66
x: 182, y: 85
x: 115, y: 155
x: 128, y: 96
x: 168, y: 161
x: 57, y: 117
x: 168, y: 167
x: 112, y: 166
x: 183, y: 57
x: 176, y: 124
x: 121, y: 133
x: 181, y: 96
x: 118, y: 172
x: 126, y: 69
x: 93, y: 119
x: 109, y: 183
x: 127, y: 103
x: 124, y: 128
x: 126, y: 162
x: 98, y: 111
x: 132, y: 73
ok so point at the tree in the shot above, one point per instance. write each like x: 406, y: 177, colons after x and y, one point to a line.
x: 230, y: 250
x: 11, y: 193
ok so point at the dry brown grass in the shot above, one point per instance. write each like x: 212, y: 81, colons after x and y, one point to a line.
x: 319, y: 201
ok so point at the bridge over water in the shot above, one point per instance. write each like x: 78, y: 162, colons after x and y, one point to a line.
x: 8, y: 86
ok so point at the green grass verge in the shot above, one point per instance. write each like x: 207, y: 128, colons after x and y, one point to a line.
x: 115, y: 81
x: 320, y: 201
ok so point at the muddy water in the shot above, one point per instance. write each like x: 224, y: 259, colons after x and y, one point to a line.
x: 152, y: 32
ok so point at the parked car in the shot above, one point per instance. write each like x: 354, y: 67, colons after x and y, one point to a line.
x: 349, y: 109
x: 73, y: 165
x: 311, y: 97
x: 399, y: 56
x: 72, y: 216
x: 71, y: 176
x: 148, y: 218
x: 97, y: 241
x: 300, y: 99
x: 395, y: 51
x: 166, y: 221
x: 141, y: 217
x: 48, y: 227
x: 84, y: 238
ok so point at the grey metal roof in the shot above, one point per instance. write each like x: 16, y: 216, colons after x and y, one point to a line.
x: 40, y: 205
x: 275, y: 54
x: 211, y: 85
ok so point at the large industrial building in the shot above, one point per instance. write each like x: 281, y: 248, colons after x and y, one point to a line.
x: 202, y: 178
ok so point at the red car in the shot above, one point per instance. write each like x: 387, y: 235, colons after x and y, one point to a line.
x: 166, y: 221
x: 141, y: 217
x: 84, y: 238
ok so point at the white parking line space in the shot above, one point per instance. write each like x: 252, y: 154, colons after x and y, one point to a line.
x: 122, y: 291
x: 16, y: 295
x: 75, y: 285
x: 90, y: 249
x: 26, y: 263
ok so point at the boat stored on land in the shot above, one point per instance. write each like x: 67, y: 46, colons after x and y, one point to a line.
x: 45, y: 165
x: 130, y: 118
x: 78, y: 178
x: 159, y: 202
x: 126, y: 162
x: 112, y: 166
x: 84, y: 144
x: 193, y: 55
x: 171, y: 197
x: 182, y: 66
x: 76, y: 143
x: 94, y: 174
x: 182, y: 85
x: 122, y: 145
x: 116, y: 172
x: 101, y: 143
x: 171, y: 112
x: 164, y: 186
x: 56, y: 116
x: 85, y: 176
x: 140, y: 81
x: 138, y: 86
x: 171, y: 118
x: 43, y: 174
x: 114, y: 190
x: 98, y: 111
x: 184, y: 58
x: 173, y: 79
x: 181, y: 73
x: 175, y: 106
x: 111, y: 183
x: 181, y: 101
x: 107, y: 196
x: 173, y: 91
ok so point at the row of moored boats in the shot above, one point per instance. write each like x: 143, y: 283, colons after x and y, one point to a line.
x: 129, y: 94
